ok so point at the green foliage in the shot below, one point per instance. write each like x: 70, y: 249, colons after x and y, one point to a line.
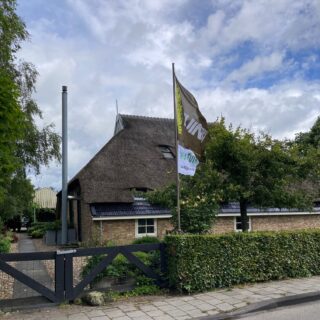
x: 146, y: 239
x: 198, y: 205
x: 23, y: 146
x: 311, y: 138
x: 5, y: 244
x: 202, y: 262
x: 45, y: 214
x: 38, y: 229
x: 121, y: 268
x: 250, y: 169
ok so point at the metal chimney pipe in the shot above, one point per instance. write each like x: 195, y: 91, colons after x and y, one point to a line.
x: 64, y: 195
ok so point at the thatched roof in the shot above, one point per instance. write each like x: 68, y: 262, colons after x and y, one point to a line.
x: 132, y: 159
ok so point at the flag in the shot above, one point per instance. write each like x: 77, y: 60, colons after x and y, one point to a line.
x: 187, y: 161
x: 192, y: 130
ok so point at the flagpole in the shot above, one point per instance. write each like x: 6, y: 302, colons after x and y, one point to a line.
x: 177, y: 143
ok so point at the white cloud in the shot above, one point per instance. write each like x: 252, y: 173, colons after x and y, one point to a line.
x: 123, y: 50
x: 256, y: 66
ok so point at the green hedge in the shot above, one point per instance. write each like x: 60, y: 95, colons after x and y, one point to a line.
x: 201, y: 262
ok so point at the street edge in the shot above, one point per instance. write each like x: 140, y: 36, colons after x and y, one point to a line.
x: 266, y: 305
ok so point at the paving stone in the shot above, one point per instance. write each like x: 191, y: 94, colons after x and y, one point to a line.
x: 159, y: 303
x: 165, y: 317
x: 224, y: 307
x: 145, y: 317
x: 240, y: 305
x: 128, y: 307
x: 78, y: 316
x: 212, y: 312
x: 98, y: 318
x: 95, y: 313
x: 182, y: 317
x: 115, y: 314
x: 135, y: 314
x: 187, y: 298
x: 195, y: 313
x: 175, y: 313
x: 186, y: 307
x: 205, y: 307
x: 122, y: 318
x: 148, y: 307
x: 155, y: 313
x: 167, y: 308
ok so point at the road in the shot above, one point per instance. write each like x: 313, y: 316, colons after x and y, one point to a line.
x: 305, y: 311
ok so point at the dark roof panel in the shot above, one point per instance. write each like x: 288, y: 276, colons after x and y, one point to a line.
x: 234, y: 207
x: 137, y: 208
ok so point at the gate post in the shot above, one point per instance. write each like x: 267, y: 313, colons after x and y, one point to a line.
x: 68, y: 276
x: 59, y: 277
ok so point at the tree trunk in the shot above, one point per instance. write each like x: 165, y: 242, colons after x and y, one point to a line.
x: 244, y: 215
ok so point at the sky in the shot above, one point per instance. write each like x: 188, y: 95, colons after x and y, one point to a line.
x: 257, y: 63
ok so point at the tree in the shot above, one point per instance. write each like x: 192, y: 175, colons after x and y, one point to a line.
x: 23, y: 146
x: 258, y: 170
x: 311, y: 138
x: 250, y: 169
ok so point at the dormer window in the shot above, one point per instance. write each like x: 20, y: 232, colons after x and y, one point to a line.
x: 166, y: 151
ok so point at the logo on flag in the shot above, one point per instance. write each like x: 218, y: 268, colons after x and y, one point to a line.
x: 191, y: 124
x: 192, y: 129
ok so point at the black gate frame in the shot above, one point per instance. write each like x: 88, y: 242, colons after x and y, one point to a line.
x: 65, y: 291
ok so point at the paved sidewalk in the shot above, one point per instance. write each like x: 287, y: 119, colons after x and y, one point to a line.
x: 177, y: 307
x: 34, y: 269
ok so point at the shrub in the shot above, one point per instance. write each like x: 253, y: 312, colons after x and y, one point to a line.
x: 120, y: 267
x: 4, y: 245
x: 38, y: 229
x: 201, y: 262
x: 146, y: 239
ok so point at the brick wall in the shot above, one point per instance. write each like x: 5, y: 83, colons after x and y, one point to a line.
x: 275, y: 223
x: 123, y: 231
x: 270, y: 223
x: 223, y: 225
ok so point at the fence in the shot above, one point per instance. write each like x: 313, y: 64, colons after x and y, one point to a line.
x: 57, y: 275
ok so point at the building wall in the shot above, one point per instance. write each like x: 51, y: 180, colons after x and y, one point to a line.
x: 123, y: 231
x: 86, y: 222
x: 223, y: 225
x: 276, y: 223
x: 269, y: 223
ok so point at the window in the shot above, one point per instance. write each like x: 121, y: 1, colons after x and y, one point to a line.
x: 146, y: 227
x: 238, y: 224
x: 166, y: 151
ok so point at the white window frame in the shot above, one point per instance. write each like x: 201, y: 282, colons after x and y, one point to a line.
x: 140, y: 235
x: 235, y: 224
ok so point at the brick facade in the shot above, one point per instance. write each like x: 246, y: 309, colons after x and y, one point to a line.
x: 269, y: 223
x: 223, y: 225
x: 293, y: 222
x: 121, y: 232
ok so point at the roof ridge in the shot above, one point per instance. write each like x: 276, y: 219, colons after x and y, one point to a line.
x: 145, y: 117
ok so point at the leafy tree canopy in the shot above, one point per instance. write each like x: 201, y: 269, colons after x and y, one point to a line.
x: 247, y: 168
x: 23, y: 145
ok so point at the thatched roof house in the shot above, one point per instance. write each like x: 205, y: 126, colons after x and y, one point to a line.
x: 141, y: 156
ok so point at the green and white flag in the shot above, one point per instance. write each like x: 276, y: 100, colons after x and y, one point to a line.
x: 192, y: 130
x: 187, y: 161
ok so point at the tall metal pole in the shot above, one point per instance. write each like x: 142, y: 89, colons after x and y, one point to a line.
x: 177, y: 144
x: 64, y: 195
